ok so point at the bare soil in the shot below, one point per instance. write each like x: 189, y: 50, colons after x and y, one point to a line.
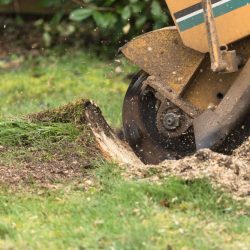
x: 39, y: 171
x: 63, y: 162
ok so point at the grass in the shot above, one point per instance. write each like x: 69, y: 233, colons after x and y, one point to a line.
x: 20, y: 140
x: 58, y: 78
x: 22, y: 133
x: 120, y: 214
x: 113, y: 213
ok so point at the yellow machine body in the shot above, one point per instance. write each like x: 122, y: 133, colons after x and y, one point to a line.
x: 232, y: 18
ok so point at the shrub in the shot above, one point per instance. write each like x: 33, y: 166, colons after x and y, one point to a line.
x: 114, y: 20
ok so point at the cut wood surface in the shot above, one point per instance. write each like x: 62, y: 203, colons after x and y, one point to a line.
x: 110, y: 145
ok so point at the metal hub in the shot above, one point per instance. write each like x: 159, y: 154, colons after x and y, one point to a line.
x: 171, y: 121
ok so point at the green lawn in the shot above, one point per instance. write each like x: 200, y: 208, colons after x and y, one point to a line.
x: 118, y: 214
x: 58, y: 78
x: 112, y: 213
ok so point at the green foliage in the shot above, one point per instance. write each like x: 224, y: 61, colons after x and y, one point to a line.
x: 4, y: 2
x: 123, y: 17
x: 80, y: 14
x: 112, y: 20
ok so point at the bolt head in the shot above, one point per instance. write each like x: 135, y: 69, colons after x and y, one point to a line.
x: 171, y: 121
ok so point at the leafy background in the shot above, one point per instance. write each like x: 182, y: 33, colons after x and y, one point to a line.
x: 110, y: 21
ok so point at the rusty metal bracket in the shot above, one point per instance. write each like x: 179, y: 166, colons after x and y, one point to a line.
x: 222, y: 60
x: 212, y: 127
x: 164, y: 92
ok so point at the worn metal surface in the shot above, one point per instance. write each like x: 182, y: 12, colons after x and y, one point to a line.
x: 222, y: 60
x: 231, y: 18
x: 163, y: 92
x: 217, y: 62
x: 208, y: 88
x: 212, y: 127
x: 171, y: 120
x: 162, y: 54
x: 140, y: 126
x: 179, y: 82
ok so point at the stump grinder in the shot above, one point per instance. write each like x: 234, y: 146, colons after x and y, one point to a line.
x: 193, y: 90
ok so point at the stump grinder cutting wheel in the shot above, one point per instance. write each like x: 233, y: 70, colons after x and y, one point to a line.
x: 193, y: 91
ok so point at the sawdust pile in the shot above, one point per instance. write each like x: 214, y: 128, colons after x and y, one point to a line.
x: 231, y: 173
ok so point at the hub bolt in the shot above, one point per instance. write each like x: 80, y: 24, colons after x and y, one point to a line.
x: 171, y: 121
